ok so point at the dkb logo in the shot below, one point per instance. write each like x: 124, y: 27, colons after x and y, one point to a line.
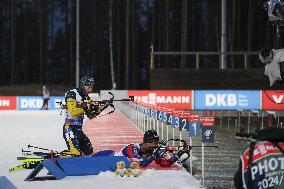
x: 221, y: 100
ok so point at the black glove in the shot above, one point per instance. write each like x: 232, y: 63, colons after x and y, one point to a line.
x: 85, y: 107
x: 181, y: 157
x: 90, y: 110
x: 155, y: 153
x: 94, y: 108
x: 181, y: 152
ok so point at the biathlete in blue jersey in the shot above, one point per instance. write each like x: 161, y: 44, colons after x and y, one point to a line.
x: 148, y: 151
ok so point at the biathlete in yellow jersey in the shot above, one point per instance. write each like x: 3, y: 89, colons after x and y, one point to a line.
x: 77, y: 142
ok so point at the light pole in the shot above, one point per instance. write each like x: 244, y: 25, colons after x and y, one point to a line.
x: 77, y: 42
x: 224, y: 36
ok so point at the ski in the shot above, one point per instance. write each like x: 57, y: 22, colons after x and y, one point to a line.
x: 28, y: 163
x: 31, y: 158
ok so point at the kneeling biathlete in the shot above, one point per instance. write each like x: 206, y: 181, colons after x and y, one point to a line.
x: 77, y: 142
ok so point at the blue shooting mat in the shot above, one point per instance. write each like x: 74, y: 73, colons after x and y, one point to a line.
x: 77, y: 166
x: 90, y: 165
x: 6, y: 183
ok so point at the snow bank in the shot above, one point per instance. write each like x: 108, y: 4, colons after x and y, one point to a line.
x: 44, y: 129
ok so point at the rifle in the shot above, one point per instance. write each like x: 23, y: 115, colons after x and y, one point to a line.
x: 30, y: 159
x: 247, y: 136
x: 166, y: 146
x: 95, y: 104
x: 184, y: 147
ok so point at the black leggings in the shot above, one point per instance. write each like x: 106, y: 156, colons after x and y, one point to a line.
x: 74, y: 136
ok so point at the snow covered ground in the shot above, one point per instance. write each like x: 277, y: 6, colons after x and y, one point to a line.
x: 44, y: 129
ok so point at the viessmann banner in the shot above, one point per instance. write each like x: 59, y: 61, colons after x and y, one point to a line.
x: 176, y: 99
x: 8, y: 102
x: 273, y: 100
x: 226, y: 99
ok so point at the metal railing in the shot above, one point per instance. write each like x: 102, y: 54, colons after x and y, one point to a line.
x: 197, y: 55
x: 227, y: 122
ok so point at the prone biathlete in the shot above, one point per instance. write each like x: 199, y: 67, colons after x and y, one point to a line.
x: 148, y: 151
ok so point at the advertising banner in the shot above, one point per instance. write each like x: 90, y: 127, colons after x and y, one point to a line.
x: 55, y: 101
x: 30, y: 102
x: 207, y: 121
x: 175, y: 99
x: 273, y: 100
x: 226, y: 99
x: 8, y: 103
x: 35, y: 102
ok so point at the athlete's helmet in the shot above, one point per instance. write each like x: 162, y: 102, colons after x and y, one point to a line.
x: 151, y: 136
x: 86, y: 81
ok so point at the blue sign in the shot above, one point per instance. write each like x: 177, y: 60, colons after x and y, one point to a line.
x: 141, y: 109
x: 145, y: 110
x: 208, y: 134
x: 156, y: 114
x: 183, y: 124
x: 226, y: 99
x: 138, y: 108
x: 194, y: 129
x: 132, y: 105
x: 148, y: 112
x: 175, y: 122
x: 169, y: 119
x: 160, y: 115
x: 165, y: 117
x: 36, y: 102
x: 153, y: 113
